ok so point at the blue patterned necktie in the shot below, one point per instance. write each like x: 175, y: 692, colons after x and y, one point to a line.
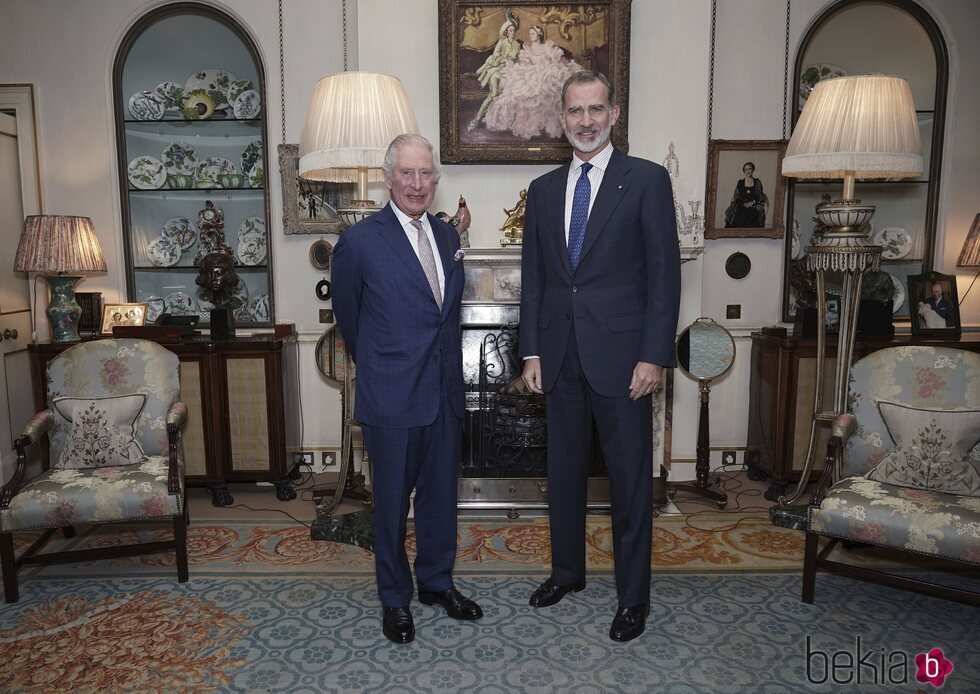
x: 580, y: 216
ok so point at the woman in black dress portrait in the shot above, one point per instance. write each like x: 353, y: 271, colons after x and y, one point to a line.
x: 748, y: 206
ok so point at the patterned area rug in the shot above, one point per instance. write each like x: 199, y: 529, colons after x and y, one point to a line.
x: 268, y: 610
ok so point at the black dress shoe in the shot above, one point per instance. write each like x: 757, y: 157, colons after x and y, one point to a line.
x: 457, y: 606
x: 549, y: 592
x: 629, y: 623
x: 397, y: 624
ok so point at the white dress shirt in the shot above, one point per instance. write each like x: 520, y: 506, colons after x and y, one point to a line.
x: 413, y: 238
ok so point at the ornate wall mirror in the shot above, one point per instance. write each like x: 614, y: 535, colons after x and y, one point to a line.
x: 705, y: 351
x: 856, y: 37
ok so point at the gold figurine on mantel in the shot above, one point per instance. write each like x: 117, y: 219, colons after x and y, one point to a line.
x: 513, y: 227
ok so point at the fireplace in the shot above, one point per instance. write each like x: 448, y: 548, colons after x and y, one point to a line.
x: 504, y: 454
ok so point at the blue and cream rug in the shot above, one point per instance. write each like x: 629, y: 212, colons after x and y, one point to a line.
x: 268, y: 610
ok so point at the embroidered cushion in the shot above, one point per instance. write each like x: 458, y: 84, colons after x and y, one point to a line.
x: 102, y: 431
x: 931, y: 449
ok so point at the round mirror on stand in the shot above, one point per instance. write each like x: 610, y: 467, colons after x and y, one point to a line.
x: 705, y: 351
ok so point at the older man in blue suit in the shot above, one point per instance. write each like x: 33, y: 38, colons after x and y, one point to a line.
x: 599, y: 305
x: 397, y: 288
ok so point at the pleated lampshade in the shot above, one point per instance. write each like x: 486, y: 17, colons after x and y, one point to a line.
x: 59, y: 244
x: 863, y: 125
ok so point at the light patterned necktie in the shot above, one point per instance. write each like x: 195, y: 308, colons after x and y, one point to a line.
x: 580, y: 216
x: 428, y: 262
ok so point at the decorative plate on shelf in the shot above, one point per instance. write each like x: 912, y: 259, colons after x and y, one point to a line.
x: 251, y: 227
x: 180, y: 304
x: 215, y: 82
x: 163, y: 251
x: 171, y: 94
x: 817, y: 72
x: 243, y: 315
x: 146, y: 106
x: 247, y: 105
x: 239, y: 297
x: 207, y: 172
x: 155, y: 307
x: 237, y: 88
x: 147, y: 173
x: 251, y: 155
x: 180, y: 158
x: 258, y: 306
x: 251, y: 250
x: 895, y: 242
x: 182, y: 230
x: 797, y: 241
x: 256, y: 176
x: 898, y: 300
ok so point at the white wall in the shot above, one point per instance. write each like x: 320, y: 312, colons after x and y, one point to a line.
x: 66, y: 49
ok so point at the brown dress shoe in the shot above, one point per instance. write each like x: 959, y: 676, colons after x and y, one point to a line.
x: 397, y: 624
x: 549, y: 592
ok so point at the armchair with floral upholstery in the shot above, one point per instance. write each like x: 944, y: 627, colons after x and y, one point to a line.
x: 902, y: 468
x: 113, y: 427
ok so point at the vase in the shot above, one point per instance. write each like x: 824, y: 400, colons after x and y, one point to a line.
x: 63, y: 311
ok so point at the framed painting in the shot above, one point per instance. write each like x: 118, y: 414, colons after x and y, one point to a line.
x: 746, y: 190
x: 933, y: 304
x: 502, y: 66
x: 310, y: 207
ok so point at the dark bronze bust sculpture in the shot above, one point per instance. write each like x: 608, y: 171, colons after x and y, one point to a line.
x: 217, y: 278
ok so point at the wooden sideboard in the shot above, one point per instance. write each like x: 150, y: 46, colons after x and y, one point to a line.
x: 781, y: 391
x: 242, y: 401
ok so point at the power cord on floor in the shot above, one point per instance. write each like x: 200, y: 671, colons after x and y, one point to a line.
x: 731, y: 483
x: 304, y: 489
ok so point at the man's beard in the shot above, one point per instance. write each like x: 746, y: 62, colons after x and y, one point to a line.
x: 589, y: 147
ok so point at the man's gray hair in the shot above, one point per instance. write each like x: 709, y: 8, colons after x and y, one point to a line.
x: 409, y: 140
x: 588, y: 77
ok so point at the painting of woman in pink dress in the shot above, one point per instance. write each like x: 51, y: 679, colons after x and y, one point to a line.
x: 530, y: 90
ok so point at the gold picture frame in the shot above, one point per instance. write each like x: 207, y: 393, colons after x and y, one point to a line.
x: 122, y: 314
x: 727, y: 160
x: 310, y: 207
x: 594, y: 35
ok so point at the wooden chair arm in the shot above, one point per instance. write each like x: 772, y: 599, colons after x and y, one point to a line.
x: 835, y: 444
x: 36, y: 427
x: 176, y: 417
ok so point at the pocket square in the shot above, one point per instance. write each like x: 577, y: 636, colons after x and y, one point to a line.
x: 460, y: 254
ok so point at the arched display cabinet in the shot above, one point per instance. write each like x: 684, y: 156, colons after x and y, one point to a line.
x: 893, y: 37
x: 189, y: 102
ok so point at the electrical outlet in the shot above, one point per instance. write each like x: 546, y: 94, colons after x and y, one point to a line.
x: 303, y: 458
x: 729, y: 458
x: 328, y: 459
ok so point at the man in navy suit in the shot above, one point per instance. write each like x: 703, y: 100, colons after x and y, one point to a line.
x: 397, y: 288
x: 600, y: 294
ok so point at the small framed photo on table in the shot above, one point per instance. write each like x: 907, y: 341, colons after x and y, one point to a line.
x: 933, y: 304
x: 122, y: 314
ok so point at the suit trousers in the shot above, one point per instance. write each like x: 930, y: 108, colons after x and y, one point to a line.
x: 625, y: 430
x: 425, y: 459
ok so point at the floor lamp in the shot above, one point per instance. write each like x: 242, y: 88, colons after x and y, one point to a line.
x: 351, y: 119
x: 863, y: 126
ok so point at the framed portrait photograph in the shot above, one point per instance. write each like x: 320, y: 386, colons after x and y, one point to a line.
x: 502, y: 66
x: 933, y: 304
x: 310, y: 207
x: 122, y: 314
x: 746, y: 191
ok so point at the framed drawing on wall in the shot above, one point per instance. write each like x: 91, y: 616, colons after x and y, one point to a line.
x: 310, y: 207
x: 502, y: 66
x: 933, y: 304
x: 745, y: 189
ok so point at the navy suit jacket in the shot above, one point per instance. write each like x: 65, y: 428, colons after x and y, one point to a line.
x: 392, y: 326
x: 624, y: 296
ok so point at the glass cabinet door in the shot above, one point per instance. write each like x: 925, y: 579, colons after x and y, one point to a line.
x: 190, y: 113
x: 893, y: 37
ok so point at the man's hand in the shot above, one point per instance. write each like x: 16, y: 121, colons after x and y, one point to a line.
x: 532, y: 375
x: 645, y: 378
